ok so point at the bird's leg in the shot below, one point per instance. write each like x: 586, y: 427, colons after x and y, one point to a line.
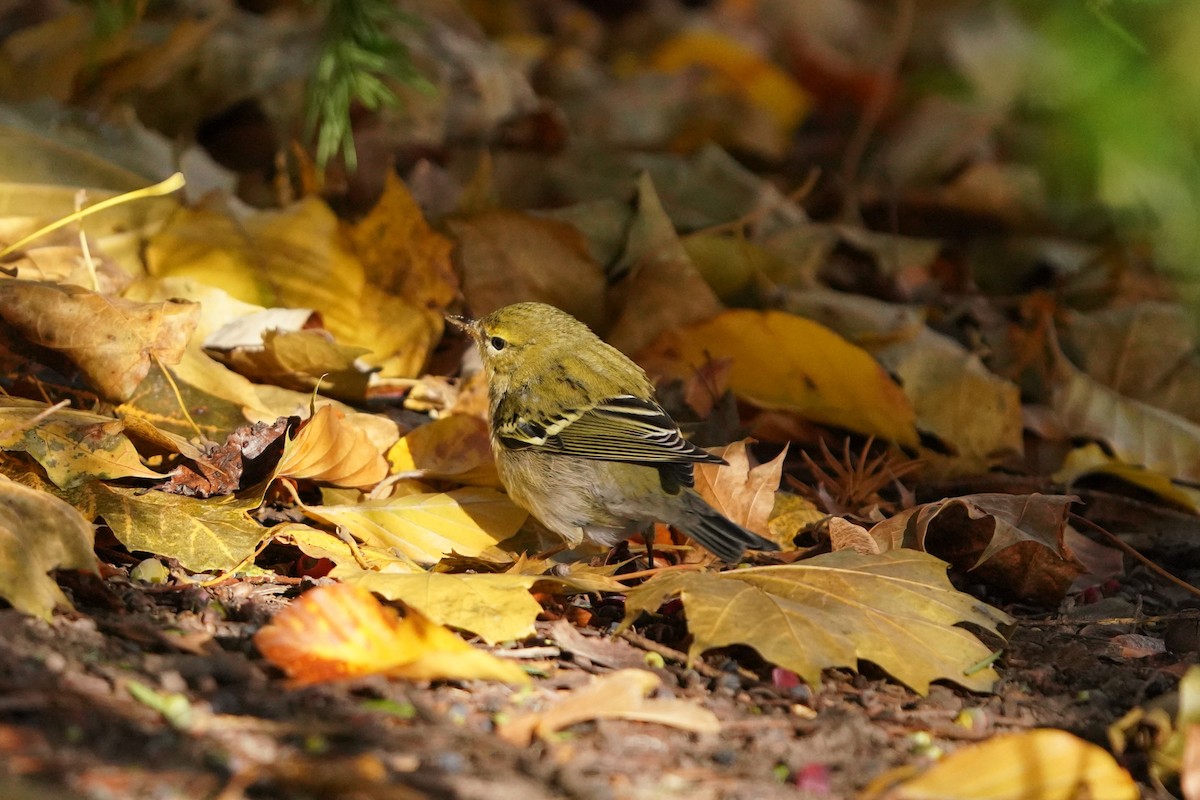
x: 648, y: 538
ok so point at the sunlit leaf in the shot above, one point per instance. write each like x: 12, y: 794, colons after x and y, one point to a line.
x: 781, y: 361
x: 743, y: 494
x: 456, y: 447
x: 39, y: 533
x: 618, y: 695
x: 894, y: 609
x: 341, y: 631
x: 330, y: 449
x: 72, y: 446
x: 426, y: 527
x: 1040, y: 764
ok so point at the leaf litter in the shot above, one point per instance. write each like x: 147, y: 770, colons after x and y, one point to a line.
x: 706, y: 273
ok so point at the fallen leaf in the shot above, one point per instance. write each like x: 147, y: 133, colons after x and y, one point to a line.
x: 782, y: 361
x: 896, y: 610
x: 72, y: 446
x: 1018, y: 537
x: 508, y: 256
x: 210, y: 534
x: 1040, y: 764
x: 743, y: 494
x: 113, y: 341
x: 1135, y: 432
x: 496, y: 606
x: 661, y: 289
x: 456, y: 447
x: 426, y: 527
x: 620, y: 695
x: 39, y: 533
x: 400, y: 253
x: 1091, y: 460
x: 340, y: 632
x: 329, y: 449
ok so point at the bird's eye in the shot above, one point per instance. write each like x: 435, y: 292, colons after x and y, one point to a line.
x: 497, y: 343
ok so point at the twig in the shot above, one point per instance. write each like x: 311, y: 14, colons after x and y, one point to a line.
x: 1135, y: 555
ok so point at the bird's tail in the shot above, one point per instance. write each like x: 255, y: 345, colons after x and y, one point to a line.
x: 726, y: 539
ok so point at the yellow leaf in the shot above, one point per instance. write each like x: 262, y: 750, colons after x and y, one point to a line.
x: 456, y: 447
x: 781, y: 361
x: 112, y: 340
x: 212, y: 534
x: 737, y: 69
x: 72, y: 446
x: 1092, y: 460
x: 331, y: 450
x: 426, y: 527
x: 39, y: 533
x: 619, y: 695
x: 894, y: 609
x: 401, y: 254
x: 1042, y: 764
x: 350, y: 560
x: 496, y: 606
x: 342, y: 631
x: 299, y: 258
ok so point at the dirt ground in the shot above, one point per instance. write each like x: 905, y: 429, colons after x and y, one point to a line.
x: 219, y: 723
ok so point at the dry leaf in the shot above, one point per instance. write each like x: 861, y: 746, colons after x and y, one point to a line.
x: 1041, y: 764
x: 661, y: 289
x: 743, y: 494
x: 401, y: 254
x: 781, y: 361
x: 211, y: 534
x: 508, y: 256
x: 1018, y: 537
x: 72, y: 446
x: 39, y: 533
x: 1092, y: 460
x: 341, y: 631
x: 113, y: 341
x: 620, y: 695
x: 456, y: 447
x: 329, y: 449
x: 894, y: 609
x: 496, y: 606
x: 426, y: 527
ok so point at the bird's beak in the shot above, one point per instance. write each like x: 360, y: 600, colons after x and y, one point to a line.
x: 468, y: 326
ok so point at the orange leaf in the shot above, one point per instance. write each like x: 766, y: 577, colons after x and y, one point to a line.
x: 342, y: 631
x: 329, y: 449
x: 743, y: 494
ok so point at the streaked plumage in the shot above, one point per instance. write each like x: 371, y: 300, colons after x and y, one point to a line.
x: 580, y: 441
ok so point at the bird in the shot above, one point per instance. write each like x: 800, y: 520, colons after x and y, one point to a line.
x: 580, y: 440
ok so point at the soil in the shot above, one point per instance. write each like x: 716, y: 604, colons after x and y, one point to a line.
x: 221, y: 723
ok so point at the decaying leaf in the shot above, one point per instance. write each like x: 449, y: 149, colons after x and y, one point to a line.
x: 113, y: 341
x: 211, y: 534
x: 1137, y: 433
x: 331, y: 450
x: 619, y: 695
x: 1041, y: 764
x: 781, y: 361
x: 72, y: 446
x: 661, y: 289
x: 743, y: 494
x: 426, y: 527
x: 340, y: 632
x: 39, y: 533
x: 894, y: 609
x: 1019, y: 537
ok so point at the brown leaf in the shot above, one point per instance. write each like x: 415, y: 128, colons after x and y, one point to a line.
x: 113, y: 341
x: 508, y: 257
x: 1015, y: 540
x: 743, y: 494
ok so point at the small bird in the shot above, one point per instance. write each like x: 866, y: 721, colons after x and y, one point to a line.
x: 580, y: 441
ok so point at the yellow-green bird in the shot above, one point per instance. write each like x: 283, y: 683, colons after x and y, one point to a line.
x: 580, y: 441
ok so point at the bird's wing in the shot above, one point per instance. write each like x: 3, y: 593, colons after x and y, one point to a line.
x: 621, y: 428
